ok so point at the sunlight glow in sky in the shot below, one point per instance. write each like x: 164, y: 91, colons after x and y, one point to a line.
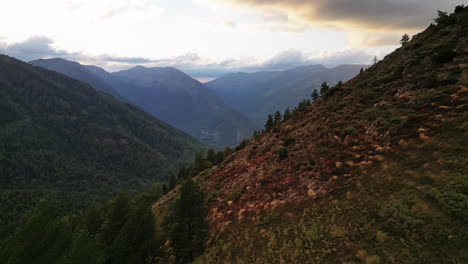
x: 209, y: 37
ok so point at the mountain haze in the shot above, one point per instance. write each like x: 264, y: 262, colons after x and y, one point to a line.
x: 183, y: 102
x: 262, y: 93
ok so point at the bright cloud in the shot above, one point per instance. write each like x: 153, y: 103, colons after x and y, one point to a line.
x: 211, y: 36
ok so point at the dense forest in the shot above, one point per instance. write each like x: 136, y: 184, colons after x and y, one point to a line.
x: 61, y: 137
x: 121, y: 230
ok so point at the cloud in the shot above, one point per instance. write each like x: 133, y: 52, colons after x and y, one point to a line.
x: 42, y: 47
x: 33, y: 48
x: 363, y: 14
x: 374, y: 39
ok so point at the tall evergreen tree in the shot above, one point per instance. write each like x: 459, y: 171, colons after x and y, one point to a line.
x: 227, y: 152
x: 270, y: 123
x: 219, y: 157
x: 136, y: 242
x: 83, y: 250
x: 172, y: 182
x: 287, y: 114
x: 94, y: 218
x: 211, y: 156
x: 200, y: 163
x: 188, y: 228
x: 375, y: 60
x: 315, y: 95
x: 277, y: 118
x: 404, y: 39
x: 324, y: 88
x: 43, y: 238
x: 117, y: 216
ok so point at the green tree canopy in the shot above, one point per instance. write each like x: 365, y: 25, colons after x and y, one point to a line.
x: 188, y: 228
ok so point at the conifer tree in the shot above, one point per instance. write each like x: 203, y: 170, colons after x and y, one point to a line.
x: 404, y: 39
x: 94, y: 218
x: 136, y: 241
x: 287, y: 114
x: 324, y: 88
x: 315, y: 95
x: 375, y: 60
x: 270, y: 123
x: 42, y: 239
x: 277, y: 118
x: 116, y: 217
x: 172, y: 182
x: 211, y: 156
x: 188, y: 228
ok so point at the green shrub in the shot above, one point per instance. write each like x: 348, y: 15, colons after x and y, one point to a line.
x: 444, y: 54
x: 398, y: 217
x: 453, y: 199
x: 288, y: 141
x: 270, y: 218
x: 282, y: 153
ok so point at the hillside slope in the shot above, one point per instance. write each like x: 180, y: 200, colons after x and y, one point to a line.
x: 375, y: 172
x: 258, y: 94
x: 183, y: 102
x: 60, y: 135
x: 77, y: 71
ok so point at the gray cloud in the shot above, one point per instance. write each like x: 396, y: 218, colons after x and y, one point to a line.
x: 366, y: 14
x: 42, y: 47
x: 34, y: 48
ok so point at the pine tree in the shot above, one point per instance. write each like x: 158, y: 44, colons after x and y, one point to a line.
x: 116, y: 217
x: 136, y: 241
x: 227, y: 152
x: 211, y: 156
x: 287, y: 114
x: 172, y: 182
x: 83, y: 250
x: 315, y: 95
x: 324, y: 88
x: 94, y: 218
x: 219, y: 157
x: 375, y: 60
x: 277, y: 118
x: 404, y: 39
x: 361, y: 71
x: 43, y: 238
x: 270, y: 123
x: 200, y: 163
x: 188, y: 228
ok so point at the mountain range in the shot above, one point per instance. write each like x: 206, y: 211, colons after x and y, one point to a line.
x: 168, y: 94
x: 261, y: 93
x: 59, y: 135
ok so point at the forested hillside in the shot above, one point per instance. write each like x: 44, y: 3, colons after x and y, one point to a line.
x: 61, y: 136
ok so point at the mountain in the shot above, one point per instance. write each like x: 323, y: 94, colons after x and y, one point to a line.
x: 77, y: 71
x: 374, y: 171
x: 181, y: 101
x: 262, y: 93
x: 59, y: 135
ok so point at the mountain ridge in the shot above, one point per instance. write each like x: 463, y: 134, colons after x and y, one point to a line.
x: 262, y: 93
x: 372, y: 172
x: 60, y: 135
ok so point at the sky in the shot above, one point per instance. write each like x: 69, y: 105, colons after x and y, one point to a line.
x: 209, y: 38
